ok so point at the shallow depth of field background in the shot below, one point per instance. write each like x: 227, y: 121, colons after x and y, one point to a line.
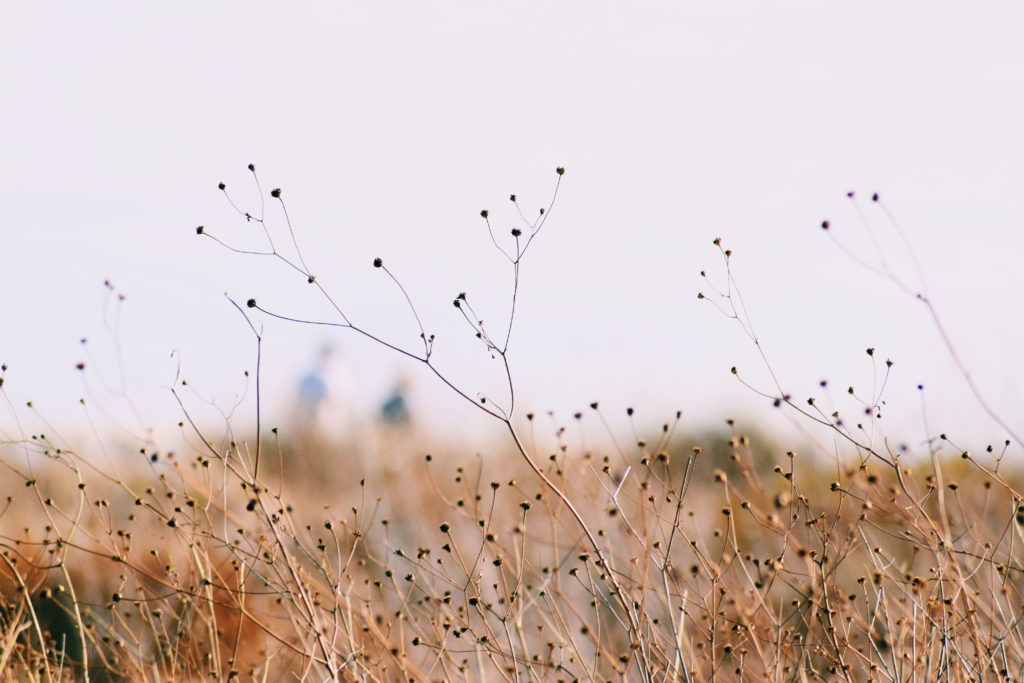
x: 391, y: 125
x: 137, y: 541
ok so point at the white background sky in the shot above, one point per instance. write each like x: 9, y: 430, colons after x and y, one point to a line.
x: 391, y: 124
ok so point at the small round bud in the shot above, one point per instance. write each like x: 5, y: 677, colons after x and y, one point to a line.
x: 252, y: 167
x: 560, y: 170
x: 874, y: 197
x: 377, y: 263
x: 275, y: 193
x: 516, y: 232
x: 251, y: 303
x: 221, y: 186
x: 484, y: 213
x: 200, y: 230
x: 825, y: 225
x: 511, y: 197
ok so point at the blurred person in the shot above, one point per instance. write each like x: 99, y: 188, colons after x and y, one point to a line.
x: 323, y: 401
x: 394, y: 411
x: 393, y: 438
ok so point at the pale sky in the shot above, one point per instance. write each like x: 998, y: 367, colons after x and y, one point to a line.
x: 390, y: 125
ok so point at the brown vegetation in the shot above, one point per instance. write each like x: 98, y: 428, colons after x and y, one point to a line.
x: 672, y: 556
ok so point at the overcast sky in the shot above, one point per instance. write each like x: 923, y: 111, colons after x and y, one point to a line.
x: 390, y: 125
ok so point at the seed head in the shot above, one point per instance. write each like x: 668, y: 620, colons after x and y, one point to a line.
x: 251, y: 303
x: 221, y: 186
x: 200, y: 230
x: 275, y: 193
x: 560, y: 170
x: 377, y: 263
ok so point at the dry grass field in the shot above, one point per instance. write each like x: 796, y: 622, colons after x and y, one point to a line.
x: 673, y: 555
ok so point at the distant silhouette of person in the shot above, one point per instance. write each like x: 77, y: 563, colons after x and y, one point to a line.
x: 312, y: 389
x: 394, y: 411
x: 323, y: 407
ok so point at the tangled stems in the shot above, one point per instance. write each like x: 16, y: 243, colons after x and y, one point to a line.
x: 522, y: 238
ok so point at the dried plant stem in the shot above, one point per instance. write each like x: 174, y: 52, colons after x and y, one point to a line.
x: 608, y: 571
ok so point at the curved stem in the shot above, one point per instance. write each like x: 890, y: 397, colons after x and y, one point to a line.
x: 615, y: 584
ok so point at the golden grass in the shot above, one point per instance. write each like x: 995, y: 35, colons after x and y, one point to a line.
x: 677, y: 556
x: 758, y: 565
